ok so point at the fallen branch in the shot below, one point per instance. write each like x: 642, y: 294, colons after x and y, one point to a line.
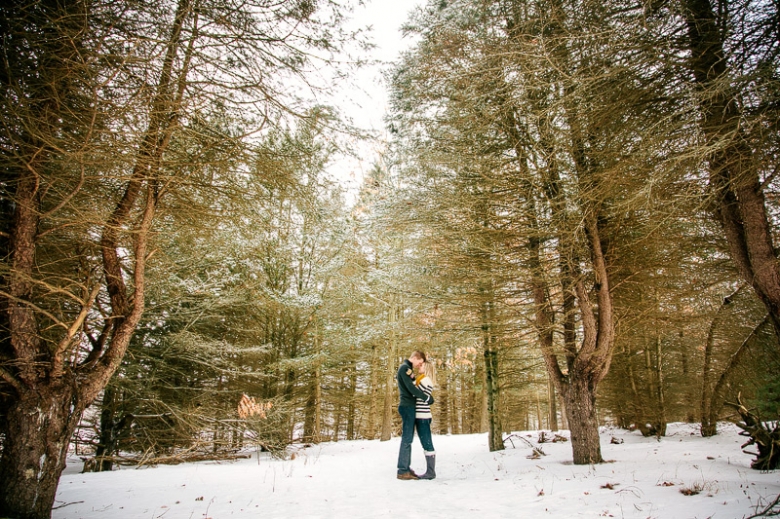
x: 173, y: 459
x: 66, y: 504
x: 537, y: 451
x: 764, y: 435
x: 772, y: 510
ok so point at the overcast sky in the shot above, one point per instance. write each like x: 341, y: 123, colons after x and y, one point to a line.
x: 367, y: 103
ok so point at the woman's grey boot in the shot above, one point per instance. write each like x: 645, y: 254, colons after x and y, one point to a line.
x: 430, y: 461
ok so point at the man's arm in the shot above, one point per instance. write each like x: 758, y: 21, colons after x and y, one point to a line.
x: 408, y: 383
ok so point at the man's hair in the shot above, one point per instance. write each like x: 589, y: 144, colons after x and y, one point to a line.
x: 419, y: 355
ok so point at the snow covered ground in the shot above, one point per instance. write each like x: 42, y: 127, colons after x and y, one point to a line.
x: 643, y: 478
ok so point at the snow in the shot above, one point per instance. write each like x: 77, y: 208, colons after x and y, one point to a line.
x: 642, y: 478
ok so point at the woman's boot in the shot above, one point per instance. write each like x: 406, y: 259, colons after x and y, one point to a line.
x: 430, y: 461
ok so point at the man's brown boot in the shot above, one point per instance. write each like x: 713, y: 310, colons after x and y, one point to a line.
x: 408, y: 475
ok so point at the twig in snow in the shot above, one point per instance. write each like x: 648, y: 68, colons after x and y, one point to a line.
x: 66, y: 504
x: 772, y: 510
x: 537, y: 451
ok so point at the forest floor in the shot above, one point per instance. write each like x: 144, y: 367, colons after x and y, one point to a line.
x: 680, y: 476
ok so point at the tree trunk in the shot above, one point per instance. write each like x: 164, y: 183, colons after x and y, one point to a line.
x: 39, y: 427
x: 690, y: 396
x: 660, y: 395
x: 108, y: 431
x: 708, y: 426
x: 638, y: 406
x: 372, y: 394
x: 495, y: 428
x: 312, y: 431
x: 580, y: 398
x: 387, y: 415
x: 312, y: 422
x: 553, y: 409
x: 443, y: 401
x: 390, y: 383
x: 457, y: 401
x: 740, y: 205
x: 717, y: 398
x: 351, y: 410
x: 492, y: 390
x: 564, y: 413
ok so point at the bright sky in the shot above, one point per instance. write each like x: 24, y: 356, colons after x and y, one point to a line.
x: 367, y: 104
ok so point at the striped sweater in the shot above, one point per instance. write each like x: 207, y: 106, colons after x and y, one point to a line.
x: 422, y: 409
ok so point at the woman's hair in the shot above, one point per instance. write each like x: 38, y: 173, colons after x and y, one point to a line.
x: 429, y: 369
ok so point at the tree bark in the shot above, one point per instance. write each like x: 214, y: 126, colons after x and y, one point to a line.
x: 553, y: 408
x: 495, y: 428
x: 580, y: 397
x: 443, y: 400
x: 351, y: 409
x: 739, y: 201
x: 312, y: 423
x: 490, y: 356
x: 372, y: 393
x: 107, y: 439
x: 39, y: 427
x: 390, y: 383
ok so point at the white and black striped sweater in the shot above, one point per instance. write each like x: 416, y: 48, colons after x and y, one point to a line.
x: 423, y: 409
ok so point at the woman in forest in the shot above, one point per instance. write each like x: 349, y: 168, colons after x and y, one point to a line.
x: 426, y: 380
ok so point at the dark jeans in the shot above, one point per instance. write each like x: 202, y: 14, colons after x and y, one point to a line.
x: 407, y: 437
x: 423, y: 426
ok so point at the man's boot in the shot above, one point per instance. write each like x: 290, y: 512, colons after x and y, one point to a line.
x: 408, y: 475
x: 430, y: 461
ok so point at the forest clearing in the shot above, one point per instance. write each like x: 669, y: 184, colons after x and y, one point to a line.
x: 681, y: 476
x: 569, y: 215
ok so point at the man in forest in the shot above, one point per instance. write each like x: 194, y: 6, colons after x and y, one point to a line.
x: 408, y: 393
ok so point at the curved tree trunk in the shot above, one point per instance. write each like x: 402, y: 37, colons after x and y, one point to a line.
x: 740, y: 203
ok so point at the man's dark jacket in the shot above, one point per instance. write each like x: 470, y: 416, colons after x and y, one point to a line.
x: 406, y: 388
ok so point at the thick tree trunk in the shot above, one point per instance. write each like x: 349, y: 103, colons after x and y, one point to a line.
x: 39, y: 427
x: 580, y: 398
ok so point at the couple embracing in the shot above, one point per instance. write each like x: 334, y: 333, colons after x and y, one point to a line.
x: 415, y: 410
